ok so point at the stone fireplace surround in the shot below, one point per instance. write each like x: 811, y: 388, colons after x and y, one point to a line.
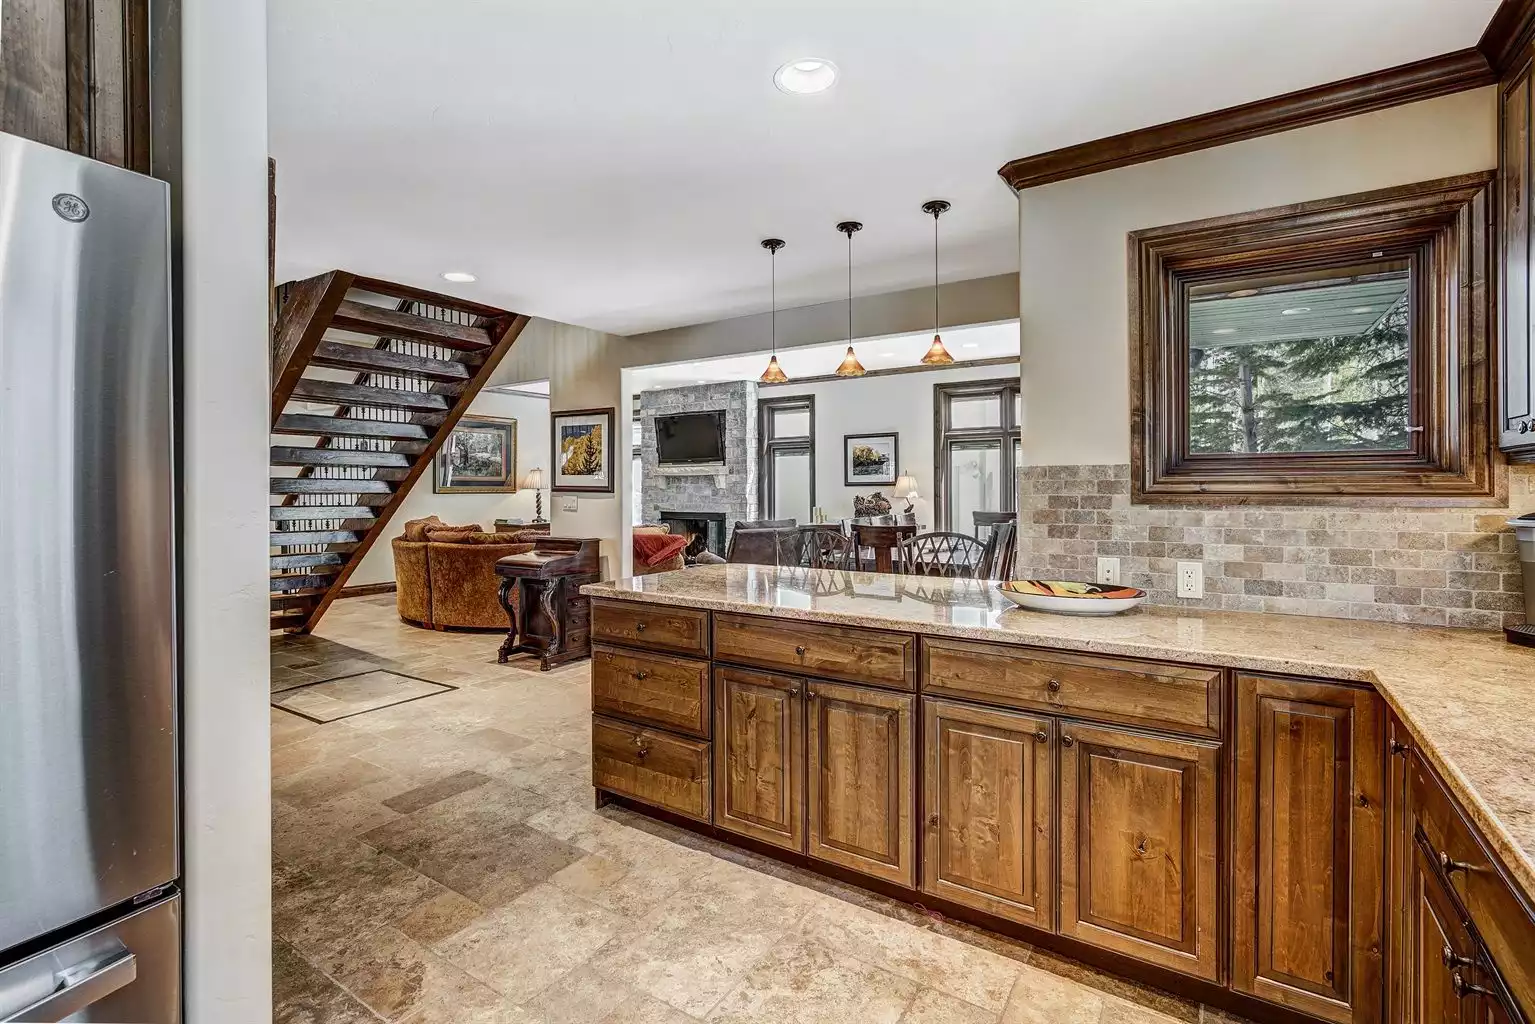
x: 720, y: 494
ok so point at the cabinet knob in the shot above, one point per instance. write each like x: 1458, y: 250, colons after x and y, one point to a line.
x: 642, y: 753
x: 642, y: 674
x: 794, y: 691
x: 1452, y: 960
x: 639, y: 627
x: 800, y: 650
x: 1041, y: 736
x: 1398, y: 747
x: 811, y: 693
x: 1449, y: 864
x: 1463, y: 988
x: 1054, y: 686
x: 1067, y: 741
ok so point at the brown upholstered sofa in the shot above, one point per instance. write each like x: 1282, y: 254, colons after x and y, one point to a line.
x: 445, y: 575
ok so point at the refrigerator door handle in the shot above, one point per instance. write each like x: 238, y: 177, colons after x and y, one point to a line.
x: 83, y: 984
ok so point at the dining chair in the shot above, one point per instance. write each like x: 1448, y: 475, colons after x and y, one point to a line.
x: 943, y: 554
x: 986, y: 522
x: 884, y: 541
x: 826, y: 546
x: 764, y: 547
x: 1001, y: 548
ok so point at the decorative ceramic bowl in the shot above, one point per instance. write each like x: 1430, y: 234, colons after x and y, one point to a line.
x: 1068, y: 598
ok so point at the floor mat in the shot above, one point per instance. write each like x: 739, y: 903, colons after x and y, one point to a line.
x: 352, y: 695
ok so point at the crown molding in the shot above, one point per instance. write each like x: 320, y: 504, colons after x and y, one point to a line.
x: 1508, y: 34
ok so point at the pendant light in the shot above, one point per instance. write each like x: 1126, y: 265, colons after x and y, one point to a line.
x: 937, y: 355
x: 850, y: 367
x: 774, y: 373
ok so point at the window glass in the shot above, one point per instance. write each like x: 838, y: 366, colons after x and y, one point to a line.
x: 974, y: 481
x: 969, y: 412
x: 791, y: 422
x: 1319, y: 364
x: 637, y: 512
x: 791, y: 485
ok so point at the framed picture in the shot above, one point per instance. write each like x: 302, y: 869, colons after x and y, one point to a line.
x: 480, y: 457
x: 583, y: 451
x: 870, y: 459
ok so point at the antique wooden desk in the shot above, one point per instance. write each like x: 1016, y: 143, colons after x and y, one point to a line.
x: 541, y: 592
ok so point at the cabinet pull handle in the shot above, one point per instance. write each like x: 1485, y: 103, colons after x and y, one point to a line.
x: 800, y: 650
x: 1067, y: 741
x: 639, y: 627
x: 1041, y: 736
x: 794, y: 691
x: 642, y: 674
x: 811, y: 693
x: 1452, y: 960
x: 1399, y: 748
x: 642, y: 753
x: 1463, y: 988
x: 1450, y: 865
x: 1054, y: 686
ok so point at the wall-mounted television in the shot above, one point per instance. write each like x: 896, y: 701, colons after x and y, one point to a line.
x: 690, y: 438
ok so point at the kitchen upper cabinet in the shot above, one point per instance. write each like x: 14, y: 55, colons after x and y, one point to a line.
x: 1139, y: 819
x: 759, y: 751
x: 1516, y: 415
x: 1307, y: 893
x: 861, y: 771
x: 988, y: 797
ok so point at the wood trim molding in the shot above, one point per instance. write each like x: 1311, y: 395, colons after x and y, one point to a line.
x: 368, y: 589
x: 1407, y: 83
x: 1445, y: 226
x: 1508, y: 34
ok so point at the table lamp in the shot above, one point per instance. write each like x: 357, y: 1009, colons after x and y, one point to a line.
x: 906, y: 487
x: 535, y: 480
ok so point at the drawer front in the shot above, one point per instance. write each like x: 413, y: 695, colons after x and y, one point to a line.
x: 651, y: 766
x: 672, y: 693
x: 1502, y: 919
x: 1112, y: 689
x: 683, y: 630
x: 855, y: 655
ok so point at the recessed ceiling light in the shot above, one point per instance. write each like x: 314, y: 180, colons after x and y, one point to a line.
x: 1362, y: 309
x: 1294, y: 310
x: 805, y: 76
x: 459, y: 277
x: 1224, y: 330
x: 970, y: 344
x: 887, y: 355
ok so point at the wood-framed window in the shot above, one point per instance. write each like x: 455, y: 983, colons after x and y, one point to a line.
x: 1335, y: 350
x: 976, y: 450
x: 786, y: 462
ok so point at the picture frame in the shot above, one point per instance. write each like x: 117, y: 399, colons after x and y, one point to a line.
x: 479, y: 457
x: 871, y: 460
x: 582, y: 451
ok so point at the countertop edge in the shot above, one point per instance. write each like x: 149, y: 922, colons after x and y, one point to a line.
x: 1515, y: 861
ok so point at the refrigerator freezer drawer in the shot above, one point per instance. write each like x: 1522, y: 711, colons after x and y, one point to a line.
x: 127, y: 972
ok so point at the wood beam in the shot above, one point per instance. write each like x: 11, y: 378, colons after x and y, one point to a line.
x: 300, y: 326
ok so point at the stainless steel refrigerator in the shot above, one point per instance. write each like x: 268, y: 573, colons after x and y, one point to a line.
x: 90, y: 915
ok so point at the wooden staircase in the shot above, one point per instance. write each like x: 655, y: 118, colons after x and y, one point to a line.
x: 368, y: 380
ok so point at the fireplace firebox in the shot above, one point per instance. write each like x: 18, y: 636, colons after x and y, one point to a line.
x: 705, y: 530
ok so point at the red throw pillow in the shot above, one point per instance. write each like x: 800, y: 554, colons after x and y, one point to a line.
x: 654, y: 548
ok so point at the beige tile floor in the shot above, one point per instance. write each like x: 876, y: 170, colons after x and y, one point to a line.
x: 440, y: 861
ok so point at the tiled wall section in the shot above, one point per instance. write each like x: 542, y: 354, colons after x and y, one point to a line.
x: 1457, y: 567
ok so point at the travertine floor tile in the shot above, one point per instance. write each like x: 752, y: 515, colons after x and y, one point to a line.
x: 396, y: 976
x: 934, y: 1007
x: 806, y: 982
x: 1042, y: 998
x: 302, y: 995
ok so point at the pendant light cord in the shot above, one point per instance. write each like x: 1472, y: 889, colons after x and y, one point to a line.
x: 936, y: 320
x: 850, y: 288
x: 773, y: 262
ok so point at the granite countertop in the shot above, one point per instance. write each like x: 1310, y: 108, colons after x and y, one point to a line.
x: 1467, y: 696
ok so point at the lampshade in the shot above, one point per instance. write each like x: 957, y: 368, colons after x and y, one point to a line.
x: 937, y: 355
x: 534, y: 479
x: 851, y: 367
x: 906, y: 486
x: 774, y: 373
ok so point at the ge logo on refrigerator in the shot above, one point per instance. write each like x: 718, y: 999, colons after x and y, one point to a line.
x: 71, y: 207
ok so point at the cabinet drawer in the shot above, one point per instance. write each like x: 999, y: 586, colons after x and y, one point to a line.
x: 651, y: 688
x: 683, y: 630
x: 1497, y: 913
x: 651, y: 766
x: 1111, y: 689
x: 835, y: 652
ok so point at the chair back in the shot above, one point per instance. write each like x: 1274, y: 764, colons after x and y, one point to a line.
x: 764, y: 547
x: 1000, y: 551
x: 943, y: 554
x: 986, y: 522
x: 827, y: 547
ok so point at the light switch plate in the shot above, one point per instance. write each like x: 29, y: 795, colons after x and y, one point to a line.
x: 568, y: 502
x: 1108, y: 571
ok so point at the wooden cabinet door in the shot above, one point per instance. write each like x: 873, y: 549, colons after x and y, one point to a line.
x: 1139, y: 817
x: 988, y: 791
x: 1516, y: 407
x: 861, y: 762
x: 1434, y: 945
x: 1308, y: 847
x: 759, y: 756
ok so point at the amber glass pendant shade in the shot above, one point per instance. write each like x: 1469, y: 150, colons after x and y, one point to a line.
x: 850, y: 367
x: 937, y: 355
x: 773, y: 374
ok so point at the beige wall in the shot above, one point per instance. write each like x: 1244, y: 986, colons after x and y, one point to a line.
x: 1072, y: 249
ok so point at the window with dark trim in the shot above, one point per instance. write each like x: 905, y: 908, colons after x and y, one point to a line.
x: 786, y: 464
x: 977, y: 449
x: 1327, y: 351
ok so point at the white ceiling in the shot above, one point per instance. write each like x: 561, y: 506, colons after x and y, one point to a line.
x: 614, y: 164
x: 986, y: 341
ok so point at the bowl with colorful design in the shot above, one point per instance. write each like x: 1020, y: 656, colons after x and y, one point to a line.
x: 1070, y: 598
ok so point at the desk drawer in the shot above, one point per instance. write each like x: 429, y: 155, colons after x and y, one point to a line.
x: 672, y: 693
x: 1110, y: 689
x: 681, y: 630
x: 651, y: 766
x: 836, y: 652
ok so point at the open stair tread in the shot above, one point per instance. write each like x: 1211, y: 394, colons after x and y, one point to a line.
x: 293, y: 538
x: 310, y: 390
x: 339, y: 356
x: 305, y: 513
x: 326, y: 485
x: 346, y: 426
x: 389, y: 323
x: 313, y: 560
x: 286, y: 456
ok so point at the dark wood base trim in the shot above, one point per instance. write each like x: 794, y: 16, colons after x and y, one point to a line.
x: 1407, y: 83
x: 368, y: 589
x: 1168, y: 981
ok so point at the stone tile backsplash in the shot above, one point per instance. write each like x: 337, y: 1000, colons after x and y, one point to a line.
x: 1436, y: 566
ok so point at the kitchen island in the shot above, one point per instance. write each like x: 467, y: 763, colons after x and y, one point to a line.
x: 1286, y: 814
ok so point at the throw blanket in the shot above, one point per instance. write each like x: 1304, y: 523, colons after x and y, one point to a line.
x: 654, y: 548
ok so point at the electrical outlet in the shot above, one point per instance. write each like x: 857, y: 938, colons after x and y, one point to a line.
x: 1108, y: 570
x: 568, y: 502
x: 1191, y: 579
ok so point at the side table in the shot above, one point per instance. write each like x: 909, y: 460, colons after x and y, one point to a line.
x: 541, y: 594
